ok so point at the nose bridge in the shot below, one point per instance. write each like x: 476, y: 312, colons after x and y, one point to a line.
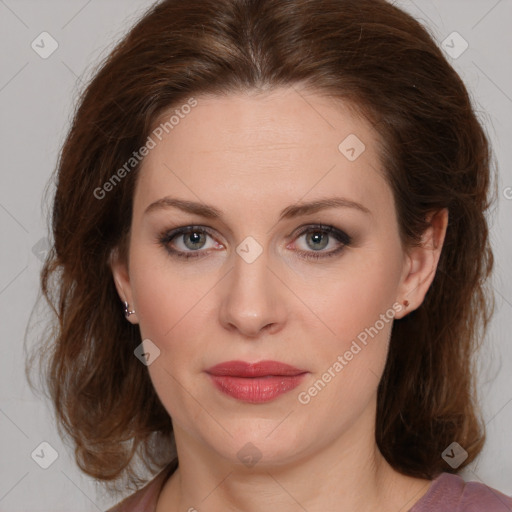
x: 252, y: 300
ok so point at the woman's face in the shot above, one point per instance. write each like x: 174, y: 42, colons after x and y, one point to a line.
x: 315, y: 288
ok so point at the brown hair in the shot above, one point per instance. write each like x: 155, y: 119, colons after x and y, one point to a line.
x: 435, y: 154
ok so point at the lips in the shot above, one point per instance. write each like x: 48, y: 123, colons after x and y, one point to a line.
x: 255, y: 382
x: 261, y: 369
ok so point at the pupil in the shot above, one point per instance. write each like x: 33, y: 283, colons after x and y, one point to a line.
x: 317, y: 237
x: 194, y: 238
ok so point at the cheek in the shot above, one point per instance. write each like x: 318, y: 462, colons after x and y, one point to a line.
x: 351, y: 358
x: 169, y: 309
x: 164, y: 297
x: 355, y: 306
x: 355, y: 297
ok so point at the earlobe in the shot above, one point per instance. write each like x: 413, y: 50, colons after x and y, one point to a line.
x: 121, y: 278
x: 422, y: 263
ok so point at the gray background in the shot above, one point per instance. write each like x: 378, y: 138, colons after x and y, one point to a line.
x: 37, y: 97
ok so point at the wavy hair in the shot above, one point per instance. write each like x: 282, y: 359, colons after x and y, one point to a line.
x: 435, y: 153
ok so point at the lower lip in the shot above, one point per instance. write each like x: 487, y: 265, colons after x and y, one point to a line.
x: 256, y: 389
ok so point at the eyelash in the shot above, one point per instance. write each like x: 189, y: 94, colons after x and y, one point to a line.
x: 166, y: 237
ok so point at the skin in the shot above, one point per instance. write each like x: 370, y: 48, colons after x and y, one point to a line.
x: 251, y: 155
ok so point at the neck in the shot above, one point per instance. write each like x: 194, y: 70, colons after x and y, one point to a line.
x: 347, y: 474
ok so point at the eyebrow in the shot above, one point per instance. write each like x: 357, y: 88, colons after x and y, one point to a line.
x: 294, y: 210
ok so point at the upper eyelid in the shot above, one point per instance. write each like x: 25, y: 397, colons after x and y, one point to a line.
x: 299, y: 231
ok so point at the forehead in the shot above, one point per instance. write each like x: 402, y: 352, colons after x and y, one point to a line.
x: 262, y: 122
x: 259, y: 148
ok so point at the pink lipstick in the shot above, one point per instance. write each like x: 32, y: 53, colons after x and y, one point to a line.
x: 255, y: 382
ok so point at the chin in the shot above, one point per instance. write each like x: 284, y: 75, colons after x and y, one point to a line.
x: 259, y: 443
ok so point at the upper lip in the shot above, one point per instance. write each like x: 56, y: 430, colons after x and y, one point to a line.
x: 260, y: 369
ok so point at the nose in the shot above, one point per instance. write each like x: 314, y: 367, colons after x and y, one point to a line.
x: 253, y: 298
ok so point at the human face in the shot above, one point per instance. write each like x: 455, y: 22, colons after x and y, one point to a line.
x: 250, y: 157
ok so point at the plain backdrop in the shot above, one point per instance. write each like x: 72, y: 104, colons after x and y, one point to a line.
x: 37, y: 98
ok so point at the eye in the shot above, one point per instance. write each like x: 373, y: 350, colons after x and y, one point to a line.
x: 192, y: 241
x: 319, y: 237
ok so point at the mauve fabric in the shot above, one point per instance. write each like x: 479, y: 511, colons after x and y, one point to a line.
x: 447, y: 493
x: 145, y: 499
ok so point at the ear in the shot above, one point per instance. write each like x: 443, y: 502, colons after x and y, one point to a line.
x: 421, y: 263
x: 121, y: 277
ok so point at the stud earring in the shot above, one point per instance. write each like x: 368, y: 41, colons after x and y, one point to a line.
x: 406, y: 303
x: 127, y: 311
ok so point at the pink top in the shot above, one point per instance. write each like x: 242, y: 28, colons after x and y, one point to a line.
x: 447, y: 493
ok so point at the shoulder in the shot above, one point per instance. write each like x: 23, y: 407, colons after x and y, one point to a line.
x: 450, y: 492
x: 145, y: 499
x: 478, y: 497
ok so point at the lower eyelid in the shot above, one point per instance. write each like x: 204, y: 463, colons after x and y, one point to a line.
x: 342, y: 238
x: 176, y: 236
